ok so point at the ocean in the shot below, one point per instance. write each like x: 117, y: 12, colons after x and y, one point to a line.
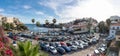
x: 33, y: 27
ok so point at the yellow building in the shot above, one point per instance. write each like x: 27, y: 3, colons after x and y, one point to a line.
x: 10, y: 20
x: 1, y: 17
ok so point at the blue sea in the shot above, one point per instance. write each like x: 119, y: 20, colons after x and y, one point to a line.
x: 33, y: 27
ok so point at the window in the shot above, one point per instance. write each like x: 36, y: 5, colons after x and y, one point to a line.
x: 112, y: 31
x: 117, y: 27
x: 113, y: 28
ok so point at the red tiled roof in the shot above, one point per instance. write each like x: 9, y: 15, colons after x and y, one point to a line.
x: 115, y: 24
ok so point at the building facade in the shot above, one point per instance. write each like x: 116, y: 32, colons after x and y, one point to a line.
x: 81, y: 25
x: 114, y: 29
x: 9, y: 19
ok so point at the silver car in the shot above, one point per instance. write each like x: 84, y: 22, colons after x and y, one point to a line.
x: 73, y: 48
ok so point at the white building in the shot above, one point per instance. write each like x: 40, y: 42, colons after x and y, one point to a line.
x: 114, y: 29
x: 114, y: 18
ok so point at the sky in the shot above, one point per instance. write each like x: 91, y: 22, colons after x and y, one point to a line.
x: 62, y: 10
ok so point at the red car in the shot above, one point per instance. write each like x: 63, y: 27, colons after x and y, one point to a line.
x: 15, y: 37
x: 63, y: 43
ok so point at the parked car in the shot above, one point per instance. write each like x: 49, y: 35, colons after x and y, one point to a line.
x: 52, y: 44
x: 52, y: 50
x: 44, y: 46
x: 85, y: 44
x: 63, y: 43
x: 109, y: 38
x: 22, y: 39
x: 25, y: 35
x: 96, y: 52
x: 80, y: 46
x: 104, y: 46
x: 14, y: 43
x: 102, y: 50
x: 67, y: 49
x: 69, y: 44
x: 75, y: 43
x: 94, y: 40
x: 61, y: 50
x: 103, y: 35
x: 73, y: 48
x: 41, y: 44
x: 57, y: 44
x: 10, y: 34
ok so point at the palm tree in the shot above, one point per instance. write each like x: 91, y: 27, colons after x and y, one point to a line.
x: 26, y: 49
x: 54, y: 21
x: 33, y: 21
x: 47, y: 23
x: 38, y: 24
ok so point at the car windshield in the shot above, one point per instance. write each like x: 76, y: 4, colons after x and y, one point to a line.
x: 52, y: 48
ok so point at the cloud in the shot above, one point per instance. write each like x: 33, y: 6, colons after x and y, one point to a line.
x: 27, y: 7
x: 2, y: 10
x: 98, y: 9
x: 55, y: 4
x: 39, y: 13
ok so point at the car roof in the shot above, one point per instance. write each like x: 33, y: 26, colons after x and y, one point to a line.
x: 102, y: 49
x: 96, y: 51
x: 51, y: 47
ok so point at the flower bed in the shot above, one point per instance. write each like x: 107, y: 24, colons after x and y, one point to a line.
x: 4, y: 45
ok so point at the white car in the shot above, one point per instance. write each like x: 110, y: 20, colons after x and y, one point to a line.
x: 104, y: 46
x: 81, y: 46
x: 14, y: 43
x: 102, y: 50
x: 84, y: 43
x: 96, y: 51
x: 73, y: 47
x: 22, y: 39
x: 52, y: 50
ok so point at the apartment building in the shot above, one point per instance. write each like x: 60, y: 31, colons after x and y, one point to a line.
x: 115, y: 18
x: 114, y: 29
x: 81, y: 25
x: 9, y: 19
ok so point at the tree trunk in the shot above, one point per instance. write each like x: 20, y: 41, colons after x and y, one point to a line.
x: 1, y: 31
x: 54, y: 29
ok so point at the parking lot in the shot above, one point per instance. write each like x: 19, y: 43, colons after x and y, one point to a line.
x: 82, y: 52
x: 76, y: 45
